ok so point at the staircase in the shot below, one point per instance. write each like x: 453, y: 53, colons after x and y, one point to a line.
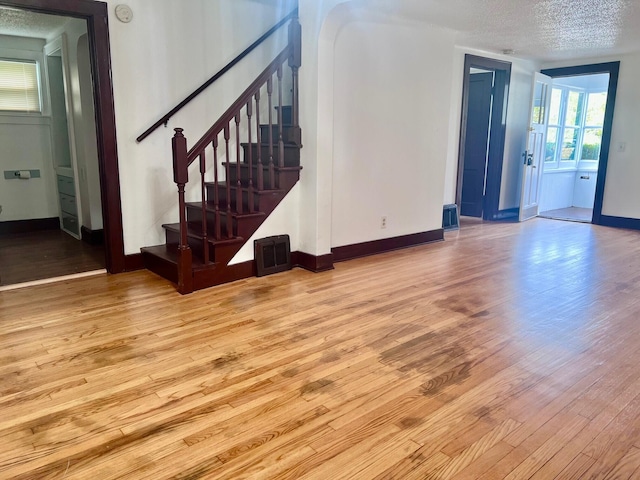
x: 246, y: 168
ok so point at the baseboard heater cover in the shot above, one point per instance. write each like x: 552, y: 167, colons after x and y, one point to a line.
x: 272, y: 254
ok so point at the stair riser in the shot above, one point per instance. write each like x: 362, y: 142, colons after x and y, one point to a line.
x: 262, y: 202
x: 222, y: 192
x: 291, y: 155
x: 244, y: 176
x: 288, y: 134
x: 284, y: 179
x: 241, y: 227
x: 220, y: 254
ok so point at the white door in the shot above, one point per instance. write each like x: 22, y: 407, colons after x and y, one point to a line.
x: 536, y: 143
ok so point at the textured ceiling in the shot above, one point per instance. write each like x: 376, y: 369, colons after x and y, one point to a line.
x: 22, y: 23
x: 536, y: 29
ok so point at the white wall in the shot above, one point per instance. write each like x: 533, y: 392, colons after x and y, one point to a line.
x: 621, y: 193
x: 391, y: 109
x: 25, y: 143
x: 516, y: 132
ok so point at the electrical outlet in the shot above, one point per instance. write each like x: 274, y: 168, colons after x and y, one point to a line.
x: 383, y: 222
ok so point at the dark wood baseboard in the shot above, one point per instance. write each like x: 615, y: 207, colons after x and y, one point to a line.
x: 92, y: 237
x: 507, y: 214
x: 239, y: 271
x: 619, y: 222
x: 357, y: 250
x: 312, y: 263
x: 133, y: 262
x: 26, y: 226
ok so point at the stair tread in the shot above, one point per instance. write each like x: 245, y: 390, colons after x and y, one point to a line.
x: 244, y: 187
x: 175, y: 227
x: 264, y: 165
x: 171, y: 255
x: 275, y: 144
x: 223, y: 211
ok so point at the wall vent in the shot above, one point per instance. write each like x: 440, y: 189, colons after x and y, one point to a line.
x: 273, y: 255
x: 450, y: 217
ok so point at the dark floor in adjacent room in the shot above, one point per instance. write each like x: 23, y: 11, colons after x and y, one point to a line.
x: 26, y: 257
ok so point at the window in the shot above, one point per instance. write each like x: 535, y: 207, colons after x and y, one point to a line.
x: 19, y: 86
x: 574, y: 133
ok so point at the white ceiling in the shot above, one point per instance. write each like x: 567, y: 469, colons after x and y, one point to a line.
x: 543, y: 30
x: 22, y: 23
x: 537, y: 29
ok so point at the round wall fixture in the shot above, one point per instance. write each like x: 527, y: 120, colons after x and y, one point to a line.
x: 124, y: 13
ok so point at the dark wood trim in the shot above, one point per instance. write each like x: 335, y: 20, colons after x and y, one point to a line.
x: 133, y: 262
x: 374, y: 247
x: 497, y: 133
x: 613, y: 69
x: 96, y: 15
x: 26, y: 226
x: 92, y: 237
x: 312, y: 263
x: 620, y: 222
x: 218, y: 75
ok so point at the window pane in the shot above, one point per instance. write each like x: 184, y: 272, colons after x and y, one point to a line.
x: 554, y: 112
x: 591, y: 144
x: 595, y: 109
x: 569, y: 143
x: 575, y: 102
x: 552, y: 144
x: 539, y: 100
x: 19, y: 86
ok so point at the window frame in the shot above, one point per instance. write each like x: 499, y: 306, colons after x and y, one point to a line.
x: 577, y: 163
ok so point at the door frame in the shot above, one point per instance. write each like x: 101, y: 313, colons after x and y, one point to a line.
x: 613, y: 69
x: 96, y: 15
x: 497, y: 132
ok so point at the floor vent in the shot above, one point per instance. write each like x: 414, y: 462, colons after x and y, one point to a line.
x: 273, y: 255
x: 450, y: 218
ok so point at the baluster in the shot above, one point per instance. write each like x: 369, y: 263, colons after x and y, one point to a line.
x: 280, y: 138
x: 205, y: 240
x: 272, y: 181
x: 216, y: 194
x: 238, y: 172
x: 295, y: 60
x: 250, y: 150
x: 227, y: 136
x: 259, y: 139
x: 181, y: 177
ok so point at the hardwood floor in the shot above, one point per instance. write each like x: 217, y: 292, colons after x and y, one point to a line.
x: 509, y: 351
x: 573, y: 214
x: 25, y: 257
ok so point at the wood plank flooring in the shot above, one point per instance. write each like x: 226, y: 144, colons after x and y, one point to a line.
x: 509, y: 351
x: 25, y: 257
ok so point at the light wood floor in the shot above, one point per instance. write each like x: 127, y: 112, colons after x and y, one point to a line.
x: 508, y: 351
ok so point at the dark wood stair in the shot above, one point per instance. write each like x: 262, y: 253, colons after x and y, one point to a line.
x: 210, y: 256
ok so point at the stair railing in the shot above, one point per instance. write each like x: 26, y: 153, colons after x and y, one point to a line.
x: 232, y: 120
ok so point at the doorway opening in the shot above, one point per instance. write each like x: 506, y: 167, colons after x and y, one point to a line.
x: 81, y: 186
x: 578, y: 141
x: 482, y: 137
x: 573, y: 145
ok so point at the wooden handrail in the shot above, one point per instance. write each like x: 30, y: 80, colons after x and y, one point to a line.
x: 236, y: 106
x: 220, y: 73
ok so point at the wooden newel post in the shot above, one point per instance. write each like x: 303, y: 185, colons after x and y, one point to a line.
x: 295, y: 61
x: 181, y: 177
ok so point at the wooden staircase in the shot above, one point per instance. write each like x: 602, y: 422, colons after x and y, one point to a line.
x: 241, y: 186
